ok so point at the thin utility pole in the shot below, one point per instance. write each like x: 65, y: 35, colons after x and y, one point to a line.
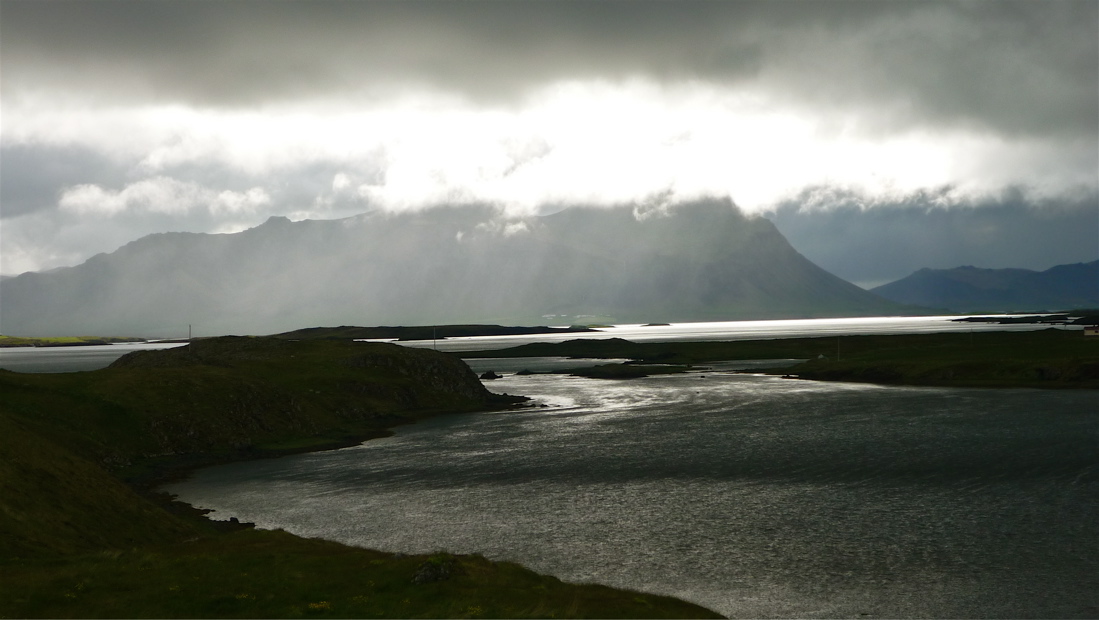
x: 188, y: 332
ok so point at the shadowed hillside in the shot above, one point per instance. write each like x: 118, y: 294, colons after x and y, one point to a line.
x: 76, y: 541
x: 444, y: 266
x: 971, y: 289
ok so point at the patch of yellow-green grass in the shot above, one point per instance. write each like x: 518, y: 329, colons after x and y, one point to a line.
x: 61, y: 341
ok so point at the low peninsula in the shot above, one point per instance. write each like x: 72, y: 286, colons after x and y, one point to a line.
x: 1048, y: 358
x: 83, y: 533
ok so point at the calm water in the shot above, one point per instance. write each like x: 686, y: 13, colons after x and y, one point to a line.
x: 71, y: 359
x: 737, y: 330
x: 755, y: 496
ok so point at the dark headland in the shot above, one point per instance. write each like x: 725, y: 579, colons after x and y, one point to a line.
x: 82, y: 534
x: 1049, y: 358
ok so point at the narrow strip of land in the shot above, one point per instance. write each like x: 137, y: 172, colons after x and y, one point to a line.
x: 1050, y: 358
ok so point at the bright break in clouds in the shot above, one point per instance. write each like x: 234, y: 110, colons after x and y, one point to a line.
x: 124, y: 118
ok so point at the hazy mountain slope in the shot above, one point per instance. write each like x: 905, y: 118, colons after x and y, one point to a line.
x: 448, y: 265
x: 970, y: 289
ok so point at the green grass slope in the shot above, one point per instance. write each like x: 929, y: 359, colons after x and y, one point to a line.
x: 76, y: 541
x: 272, y: 574
x: 54, y: 501
x: 233, y: 397
x: 1050, y: 358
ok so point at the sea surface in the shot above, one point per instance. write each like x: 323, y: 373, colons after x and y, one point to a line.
x: 738, y: 330
x: 72, y: 359
x: 753, y: 495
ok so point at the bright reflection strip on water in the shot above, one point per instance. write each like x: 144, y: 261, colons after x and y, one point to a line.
x: 755, y: 496
x: 734, y: 330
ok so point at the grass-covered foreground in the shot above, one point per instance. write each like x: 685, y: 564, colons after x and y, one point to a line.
x: 272, y: 574
x: 77, y: 539
x: 1050, y: 358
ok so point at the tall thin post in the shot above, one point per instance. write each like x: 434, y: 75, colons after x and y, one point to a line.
x: 188, y: 332
x: 433, y: 345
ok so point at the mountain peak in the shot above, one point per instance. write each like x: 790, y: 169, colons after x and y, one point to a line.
x: 445, y: 266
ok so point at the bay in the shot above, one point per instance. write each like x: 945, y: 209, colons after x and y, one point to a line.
x: 753, y: 495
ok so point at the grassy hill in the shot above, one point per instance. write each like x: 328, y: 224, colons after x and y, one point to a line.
x: 81, y: 537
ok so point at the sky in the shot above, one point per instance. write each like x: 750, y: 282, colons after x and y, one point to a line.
x: 881, y: 137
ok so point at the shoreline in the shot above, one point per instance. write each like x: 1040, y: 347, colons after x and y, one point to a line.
x: 1047, y: 359
x: 440, y: 565
x: 147, y: 484
x: 104, y: 528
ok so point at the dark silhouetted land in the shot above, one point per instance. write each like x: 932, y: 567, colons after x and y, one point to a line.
x: 972, y: 289
x: 1051, y: 358
x: 82, y: 534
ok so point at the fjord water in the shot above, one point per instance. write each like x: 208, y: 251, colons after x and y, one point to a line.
x: 72, y: 359
x: 738, y: 330
x: 82, y: 358
x: 755, y: 496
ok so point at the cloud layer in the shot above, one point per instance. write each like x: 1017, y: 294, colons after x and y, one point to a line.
x: 211, y: 116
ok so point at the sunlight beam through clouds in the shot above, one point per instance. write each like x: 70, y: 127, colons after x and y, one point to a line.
x: 204, y: 117
x: 593, y: 143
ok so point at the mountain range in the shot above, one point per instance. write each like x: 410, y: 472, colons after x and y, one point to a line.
x: 704, y: 261
x: 972, y: 289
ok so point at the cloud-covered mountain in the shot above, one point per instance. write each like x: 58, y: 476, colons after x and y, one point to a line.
x: 971, y: 289
x: 704, y: 261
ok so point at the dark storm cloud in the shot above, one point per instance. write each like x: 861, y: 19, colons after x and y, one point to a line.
x: 33, y: 176
x: 1011, y: 66
x: 878, y: 245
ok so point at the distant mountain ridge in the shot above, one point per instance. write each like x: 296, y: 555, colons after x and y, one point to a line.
x: 972, y: 289
x: 704, y: 261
